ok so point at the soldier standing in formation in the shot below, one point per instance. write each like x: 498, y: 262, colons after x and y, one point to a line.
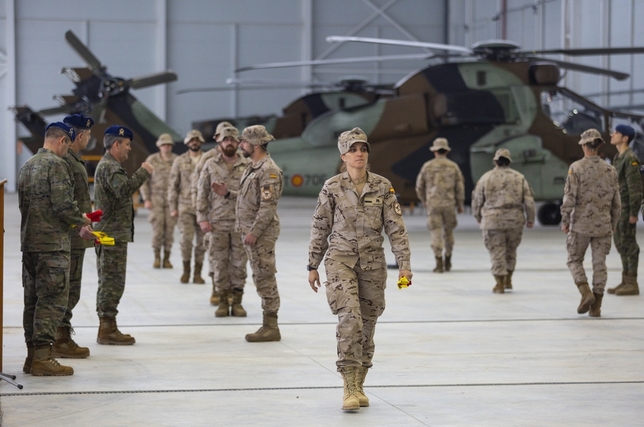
x: 113, y: 191
x: 502, y: 203
x: 258, y: 224
x: 65, y: 346
x: 627, y: 165
x: 352, y: 210
x: 440, y: 188
x: 48, y: 210
x: 589, y: 214
x: 217, y: 191
x: 155, y: 195
x: 182, y: 206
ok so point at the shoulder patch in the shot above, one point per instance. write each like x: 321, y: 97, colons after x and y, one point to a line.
x: 397, y: 208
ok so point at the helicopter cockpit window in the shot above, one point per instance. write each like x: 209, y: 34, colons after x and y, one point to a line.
x: 570, y: 114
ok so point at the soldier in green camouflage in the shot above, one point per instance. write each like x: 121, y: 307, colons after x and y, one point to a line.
x: 65, y: 346
x: 627, y: 165
x: 48, y: 212
x: 113, y: 191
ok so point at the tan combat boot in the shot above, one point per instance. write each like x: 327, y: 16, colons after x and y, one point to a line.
x: 587, y: 298
x: 224, y: 307
x: 197, y: 276
x: 65, y: 347
x: 109, y: 334
x: 166, y: 259
x: 157, y: 259
x: 350, y: 401
x: 439, y: 265
x: 26, y: 368
x: 447, y: 265
x: 361, y: 373
x: 45, y: 365
x: 500, y: 285
x: 620, y: 285
x: 236, y: 309
x: 508, y: 280
x: 269, y: 331
x: 630, y: 286
x: 595, y: 308
x: 185, y: 277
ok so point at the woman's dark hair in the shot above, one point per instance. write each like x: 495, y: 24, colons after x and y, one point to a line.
x: 595, y: 143
x: 502, y: 161
x: 442, y: 151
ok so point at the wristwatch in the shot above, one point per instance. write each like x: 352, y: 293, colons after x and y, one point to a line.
x: 309, y: 268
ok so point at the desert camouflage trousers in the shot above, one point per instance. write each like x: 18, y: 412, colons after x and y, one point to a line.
x: 77, y: 256
x: 45, y: 279
x: 227, y: 258
x: 262, y: 263
x: 577, y: 244
x: 190, y: 231
x: 111, y: 263
x: 441, y: 223
x: 162, y: 228
x: 626, y: 244
x: 502, y: 245
x: 357, y: 297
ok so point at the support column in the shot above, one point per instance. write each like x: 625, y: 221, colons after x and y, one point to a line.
x: 161, y: 63
x: 8, y: 167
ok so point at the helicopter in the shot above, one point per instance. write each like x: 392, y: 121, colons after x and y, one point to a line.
x: 495, y: 96
x: 107, y: 99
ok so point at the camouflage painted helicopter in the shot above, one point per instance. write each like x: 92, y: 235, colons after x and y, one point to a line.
x: 107, y: 99
x: 504, y: 98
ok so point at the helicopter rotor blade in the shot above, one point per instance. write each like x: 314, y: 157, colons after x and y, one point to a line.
x: 256, y: 86
x: 336, y: 61
x: 151, y: 80
x: 407, y: 43
x: 584, y: 68
x: 589, y: 51
x: 84, y: 52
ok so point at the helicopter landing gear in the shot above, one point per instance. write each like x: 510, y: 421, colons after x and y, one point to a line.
x: 549, y: 214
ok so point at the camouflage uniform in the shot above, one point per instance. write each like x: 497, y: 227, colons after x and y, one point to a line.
x: 348, y: 228
x: 113, y: 191
x: 155, y: 189
x: 78, y: 244
x: 180, y: 199
x: 259, y: 191
x: 627, y: 166
x: 590, y: 209
x: 440, y: 188
x: 48, y: 210
x: 226, y: 254
x: 501, y: 201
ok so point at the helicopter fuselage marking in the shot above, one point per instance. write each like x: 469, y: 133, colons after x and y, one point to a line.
x: 298, y: 180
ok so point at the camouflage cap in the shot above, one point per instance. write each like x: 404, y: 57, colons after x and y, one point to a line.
x: 225, y: 132
x: 165, y: 139
x: 256, y: 135
x: 222, y: 125
x: 192, y: 135
x: 502, y: 152
x: 350, y: 137
x: 440, y: 144
x: 589, y: 136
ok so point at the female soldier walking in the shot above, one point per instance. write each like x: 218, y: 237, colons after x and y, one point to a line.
x: 353, y: 207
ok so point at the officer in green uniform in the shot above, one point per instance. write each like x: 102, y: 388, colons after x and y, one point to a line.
x: 627, y: 165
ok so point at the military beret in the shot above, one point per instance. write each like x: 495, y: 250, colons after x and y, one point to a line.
x: 625, y: 130
x: 192, y: 135
x: 350, y: 137
x: 590, y: 135
x: 502, y: 152
x: 65, y: 128
x: 79, y: 121
x: 256, y: 135
x: 119, y: 131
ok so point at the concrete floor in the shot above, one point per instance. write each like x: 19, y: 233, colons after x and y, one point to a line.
x: 449, y: 352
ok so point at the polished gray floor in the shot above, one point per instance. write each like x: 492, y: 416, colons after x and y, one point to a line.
x: 449, y: 352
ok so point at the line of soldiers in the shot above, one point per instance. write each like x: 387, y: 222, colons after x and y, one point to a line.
x: 600, y: 201
x: 238, y: 211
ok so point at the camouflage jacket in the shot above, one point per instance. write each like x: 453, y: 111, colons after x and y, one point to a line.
x: 81, y: 194
x: 155, y: 189
x: 440, y: 184
x: 212, y: 207
x: 197, y: 172
x: 502, y: 199
x: 180, y: 185
x: 113, y: 191
x: 348, y: 227
x: 46, y: 202
x: 627, y: 166
x: 591, y: 202
x: 259, y: 191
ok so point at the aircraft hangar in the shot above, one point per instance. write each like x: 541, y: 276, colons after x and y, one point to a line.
x: 449, y: 352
